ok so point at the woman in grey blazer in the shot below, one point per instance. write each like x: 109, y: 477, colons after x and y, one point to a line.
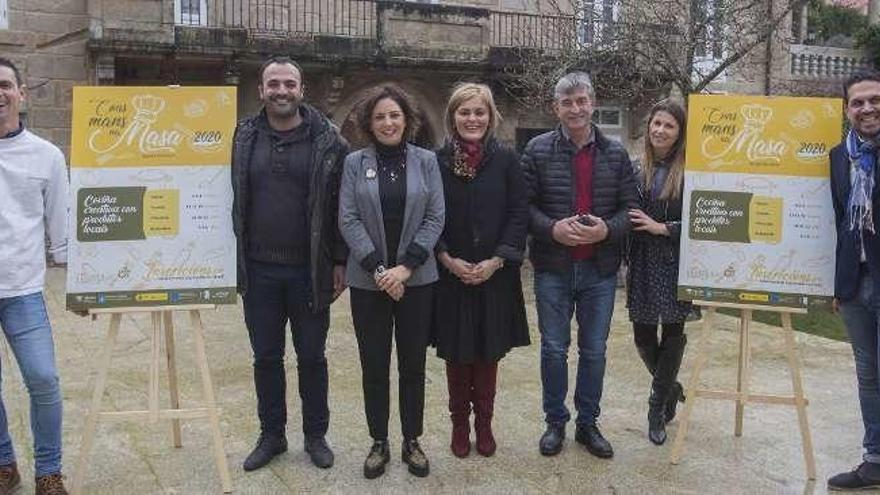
x: 391, y: 214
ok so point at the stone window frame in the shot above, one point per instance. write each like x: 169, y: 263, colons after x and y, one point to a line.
x: 600, y: 112
x: 200, y: 19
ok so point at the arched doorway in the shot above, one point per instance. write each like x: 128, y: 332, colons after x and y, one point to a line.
x: 426, y: 135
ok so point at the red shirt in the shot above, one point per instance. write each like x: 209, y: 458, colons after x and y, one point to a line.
x: 583, y: 203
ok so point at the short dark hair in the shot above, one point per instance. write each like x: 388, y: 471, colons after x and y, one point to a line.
x: 864, y: 75
x: 396, y: 94
x: 279, y: 59
x: 5, y: 62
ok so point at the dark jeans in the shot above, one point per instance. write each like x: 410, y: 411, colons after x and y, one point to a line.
x: 861, y: 315
x: 277, y: 294
x: 589, y: 296
x: 376, y: 316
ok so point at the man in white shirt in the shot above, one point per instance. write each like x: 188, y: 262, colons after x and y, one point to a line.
x: 33, y: 208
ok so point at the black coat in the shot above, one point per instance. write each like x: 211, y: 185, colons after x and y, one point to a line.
x: 547, y: 163
x: 486, y: 216
x: 846, y: 272
x: 326, y: 247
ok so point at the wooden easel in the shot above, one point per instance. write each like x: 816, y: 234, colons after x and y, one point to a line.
x: 742, y: 395
x: 158, y: 316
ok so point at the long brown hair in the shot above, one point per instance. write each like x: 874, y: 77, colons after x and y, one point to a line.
x: 672, y: 187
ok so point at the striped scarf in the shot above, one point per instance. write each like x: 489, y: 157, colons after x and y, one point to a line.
x: 863, y: 157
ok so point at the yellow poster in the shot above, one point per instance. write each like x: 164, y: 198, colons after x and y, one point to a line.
x: 777, y: 136
x: 757, y: 221
x: 152, y: 126
x: 151, y: 196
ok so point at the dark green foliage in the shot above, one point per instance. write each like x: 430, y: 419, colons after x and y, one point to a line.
x: 828, y: 21
x: 869, y: 40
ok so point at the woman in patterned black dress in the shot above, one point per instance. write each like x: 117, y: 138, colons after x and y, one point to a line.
x: 653, y: 263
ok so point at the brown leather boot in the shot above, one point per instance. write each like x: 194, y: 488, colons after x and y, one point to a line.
x: 484, y: 406
x: 9, y: 478
x: 51, y: 484
x: 458, y: 380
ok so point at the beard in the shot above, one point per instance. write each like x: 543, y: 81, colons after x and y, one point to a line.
x: 283, y: 108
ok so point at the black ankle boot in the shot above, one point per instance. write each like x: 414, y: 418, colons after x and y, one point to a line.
x: 673, y: 351
x: 668, y: 363
x: 656, y: 417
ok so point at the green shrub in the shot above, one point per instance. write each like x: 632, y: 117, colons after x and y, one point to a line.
x: 869, y: 39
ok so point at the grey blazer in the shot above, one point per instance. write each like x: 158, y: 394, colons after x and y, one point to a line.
x: 360, y: 213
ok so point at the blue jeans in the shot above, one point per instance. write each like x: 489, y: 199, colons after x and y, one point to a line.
x: 26, y: 325
x: 589, y: 296
x: 278, y: 294
x: 861, y: 315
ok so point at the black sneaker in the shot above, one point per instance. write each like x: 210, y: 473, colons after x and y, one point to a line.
x: 866, y: 475
x: 552, y: 440
x: 268, y: 446
x: 319, y: 452
x: 378, y: 457
x: 590, y: 437
x: 415, y: 458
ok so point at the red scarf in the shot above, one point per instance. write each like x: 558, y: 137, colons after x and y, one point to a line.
x: 466, y: 158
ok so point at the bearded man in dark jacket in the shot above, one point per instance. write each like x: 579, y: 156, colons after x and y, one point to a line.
x: 286, y: 168
x: 580, y: 187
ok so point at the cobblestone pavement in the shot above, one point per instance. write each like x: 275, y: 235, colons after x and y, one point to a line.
x: 138, y: 458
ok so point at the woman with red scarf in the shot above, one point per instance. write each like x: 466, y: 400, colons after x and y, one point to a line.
x: 479, y: 311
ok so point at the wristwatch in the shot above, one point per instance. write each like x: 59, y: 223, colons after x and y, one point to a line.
x: 379, y: 270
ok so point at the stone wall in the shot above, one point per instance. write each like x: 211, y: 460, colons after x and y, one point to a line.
x: 47, y: 40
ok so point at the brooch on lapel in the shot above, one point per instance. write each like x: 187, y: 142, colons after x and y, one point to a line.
x: 371, y: 173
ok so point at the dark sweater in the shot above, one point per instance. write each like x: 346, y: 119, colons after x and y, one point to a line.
x: 392, y: 193
x: 278, y: 225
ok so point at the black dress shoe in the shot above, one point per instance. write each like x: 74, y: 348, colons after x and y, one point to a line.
x: 319, y: 452
x: 552, y: 439
x: 378, y: 457
x: 591, y: 438
x: 417, y: 462
x: 268, y: 446
x: 866, y: 475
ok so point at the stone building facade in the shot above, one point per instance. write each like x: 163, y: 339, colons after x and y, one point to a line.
x: 345, y: 47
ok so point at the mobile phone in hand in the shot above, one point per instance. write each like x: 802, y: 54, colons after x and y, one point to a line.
x: 586, y: 220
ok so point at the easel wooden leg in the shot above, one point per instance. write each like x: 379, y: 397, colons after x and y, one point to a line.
x: 693, y: 382
x: 794, y: 366
x: 210, y: 402
x: 156, y: 352
x: 742, y: 371
x: 172, y: 376
x: 88, y: 437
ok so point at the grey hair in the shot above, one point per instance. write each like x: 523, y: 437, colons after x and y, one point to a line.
x: 572, y: 81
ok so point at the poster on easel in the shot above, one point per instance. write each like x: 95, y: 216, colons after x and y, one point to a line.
x: 757, y: 221
x: 150, y: 221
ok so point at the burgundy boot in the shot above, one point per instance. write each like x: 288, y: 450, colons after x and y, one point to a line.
x: 458, y: 380
x: 484, y: 406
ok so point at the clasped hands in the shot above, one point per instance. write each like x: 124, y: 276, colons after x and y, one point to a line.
x: 571, y: 232
x: 393, y: 281
x: 472, y: 273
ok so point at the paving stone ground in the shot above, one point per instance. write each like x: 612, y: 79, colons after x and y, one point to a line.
x: 136, y: 458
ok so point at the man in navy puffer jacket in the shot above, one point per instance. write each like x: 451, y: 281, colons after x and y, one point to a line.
x: 580, y: 187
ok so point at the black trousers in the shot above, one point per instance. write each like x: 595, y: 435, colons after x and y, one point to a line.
x: 376, y: 318
x: 278, y: 294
